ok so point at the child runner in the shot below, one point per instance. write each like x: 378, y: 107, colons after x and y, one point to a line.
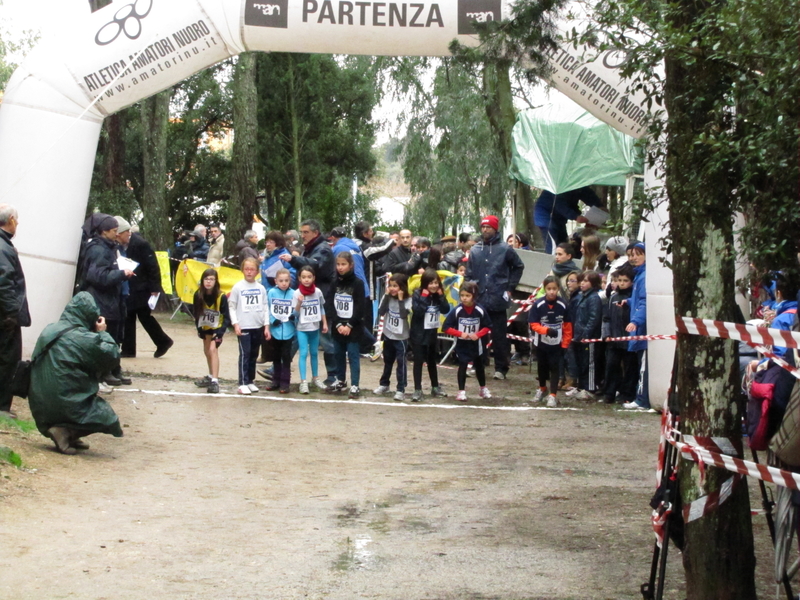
x: 469, y: 323
x: 569, y: 370
x: 310, y: 308
x: 427, y: 304
x: 345, y: 306
x: 248, y: 303
x: 550, y: 322
x: 280, y: 329
x: 621, y: 367
x: 395, y: 308
x: 586, y: 325
x: 211, y: 316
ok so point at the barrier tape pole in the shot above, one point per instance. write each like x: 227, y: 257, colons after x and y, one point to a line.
x: 525, y: 305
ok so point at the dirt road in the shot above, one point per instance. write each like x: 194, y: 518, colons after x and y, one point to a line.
x: 294, y: 497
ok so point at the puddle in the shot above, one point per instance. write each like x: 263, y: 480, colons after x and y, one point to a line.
x: 357, y: 555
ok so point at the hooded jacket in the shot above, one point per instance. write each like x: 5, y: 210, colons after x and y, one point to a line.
x: 64, y: 381
x: 638, y: 303
x: 588, y: 316
x: 102, y: 278
x: 497, y: 269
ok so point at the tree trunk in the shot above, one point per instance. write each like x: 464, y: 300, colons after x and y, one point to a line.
x: 155, y: 118
x: 297, y: 179
x: 718, y: 556
x: 242, y: 204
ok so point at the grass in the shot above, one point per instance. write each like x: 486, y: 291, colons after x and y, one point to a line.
x: 9, y: 456
x: 18, y: 424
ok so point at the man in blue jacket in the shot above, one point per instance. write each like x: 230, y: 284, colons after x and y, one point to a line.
x: 497, y: 269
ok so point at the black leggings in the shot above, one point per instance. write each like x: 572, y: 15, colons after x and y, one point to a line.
x: 477, y: 364
x: 425, y: 354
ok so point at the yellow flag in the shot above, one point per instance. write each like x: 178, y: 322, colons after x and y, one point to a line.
x: 187, y: 278
x: 163, y: 265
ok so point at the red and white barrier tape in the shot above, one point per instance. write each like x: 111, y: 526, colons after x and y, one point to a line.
x: 751, y: 334
x: 630, y: 338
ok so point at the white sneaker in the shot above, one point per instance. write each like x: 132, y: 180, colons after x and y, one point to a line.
x: 470, y: 372
x: 485, y: 393
x: 461, y: 396
x: 633, y: 405
x: 244, y: 389
x: 252, y: 387
x: 104, y: 389
x: 537, y: 397
x: 585, y: 395
x: 552, y: 401
x: 319, y: 383
x: 399, y: 396
x: 303, y: 387
x: 380, y: 390
x: 499, y: 375
x: 573, y: 392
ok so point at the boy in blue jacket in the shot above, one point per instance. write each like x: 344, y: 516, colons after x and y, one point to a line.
x: 638, y: 324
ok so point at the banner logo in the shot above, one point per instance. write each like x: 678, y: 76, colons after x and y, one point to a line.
x: 480, y: 11
x: 127, y: 20
x: 267, y: 13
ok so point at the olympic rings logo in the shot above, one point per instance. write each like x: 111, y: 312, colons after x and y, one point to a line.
x: 127, y: 20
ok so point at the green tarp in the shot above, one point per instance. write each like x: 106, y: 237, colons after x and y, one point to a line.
x: 562, y: 147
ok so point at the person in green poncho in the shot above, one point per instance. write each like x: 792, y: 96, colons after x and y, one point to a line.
x: 64, y: 378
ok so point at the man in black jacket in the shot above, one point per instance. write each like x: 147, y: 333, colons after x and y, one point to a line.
x: 14, y: 314
x: 497, y: 269
x: 317, y: 253
x: 103, y: 279
x: 401, y: 259
x: 145, y: 285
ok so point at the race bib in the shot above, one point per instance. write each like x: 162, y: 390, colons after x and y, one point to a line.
x: 551, y: 341
x: 251, y: 301
x: 310, y: 311
x: 469, y: 325
x: 393, y: 323
x: 281, y: 309
x: 344, y: 305
x: 210, y: 319
x: 432, y: 317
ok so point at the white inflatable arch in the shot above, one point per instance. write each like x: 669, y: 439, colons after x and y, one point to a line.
x: 102, y: 62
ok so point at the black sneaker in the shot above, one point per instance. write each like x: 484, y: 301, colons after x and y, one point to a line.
x: 267, y: 373
x: 204, y: 382
x: 336, y: 387
x: 213, y: 387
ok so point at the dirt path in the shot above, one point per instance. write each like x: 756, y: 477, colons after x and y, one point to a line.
x: 250, y: 498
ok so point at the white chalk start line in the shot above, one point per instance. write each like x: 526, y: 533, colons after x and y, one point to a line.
x: 347, y: 401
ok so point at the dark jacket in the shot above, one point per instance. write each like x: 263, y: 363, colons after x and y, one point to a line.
x: 102, y: 278
x: 148, y: 273
x: 348, y: 288
x: 244, y: 249
x: 374, y: 255
x: 13, y: 293
x: 397, y: 261
x: 199, y: 250
x: 451, y: 260
x: 64, y: 381
x: 319, y: 255
x: 419, y: 307
x: 496, y: 268
x: 588, y: 316
x: 617, y: 316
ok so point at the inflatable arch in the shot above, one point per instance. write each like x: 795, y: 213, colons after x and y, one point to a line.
x: 100, y: 63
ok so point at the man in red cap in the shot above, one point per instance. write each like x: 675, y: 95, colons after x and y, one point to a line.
x: 497, y: 269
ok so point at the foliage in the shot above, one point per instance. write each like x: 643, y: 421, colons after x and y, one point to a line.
x: 315, y: 136
x: 7, y: 455
x: 752, y: 146
x: 12, y: 47
x: 198, y: 172
x: 450, y: 158
x: 20, y: 424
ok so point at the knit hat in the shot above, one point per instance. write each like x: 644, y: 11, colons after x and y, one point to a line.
x: 491, y: 221
x: 107, y: 224
x: 618, y: 244
x: 123, y: 225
